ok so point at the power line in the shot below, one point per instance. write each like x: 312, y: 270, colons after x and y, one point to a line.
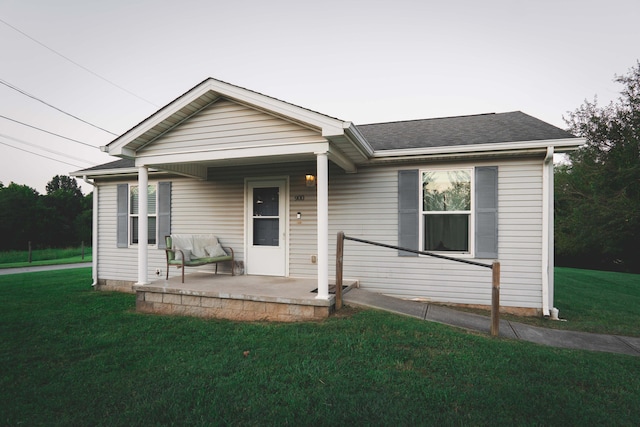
x: 78, y: 65
x: 17, y: 89
x: 58, y: 153
x: 41, y: 155
x: 46, y: 131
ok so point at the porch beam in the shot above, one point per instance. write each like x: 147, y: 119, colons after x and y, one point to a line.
x: 214, y: 154
x: 143, y: 224
x: 339, y: 158
x: 322, y: 170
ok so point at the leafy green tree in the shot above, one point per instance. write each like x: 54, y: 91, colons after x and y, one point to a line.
x: 64, y: 183
x: 65, y: 203
x: 82, y: 223
x: 21, y: 215
x: 598, y: 193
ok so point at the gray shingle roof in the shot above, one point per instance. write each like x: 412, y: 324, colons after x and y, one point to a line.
x: 117, y: 164
x: 441, y: 132
x: 463, y: 130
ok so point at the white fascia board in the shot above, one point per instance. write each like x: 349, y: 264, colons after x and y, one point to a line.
x: 117, y: 145
x: 233, y: 153
x: 103, y: 173
x: 559, y: 144
x: 329, y: 125
x: 359, y: 141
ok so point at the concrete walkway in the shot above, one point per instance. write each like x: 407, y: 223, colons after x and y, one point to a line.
x: 16, y: 270
x: 508, y: 329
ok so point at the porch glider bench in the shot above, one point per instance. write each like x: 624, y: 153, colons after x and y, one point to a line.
x: 192, y: 250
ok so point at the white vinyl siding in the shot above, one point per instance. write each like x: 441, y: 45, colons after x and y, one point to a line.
x: 364, y: 205
x: 229, y: 125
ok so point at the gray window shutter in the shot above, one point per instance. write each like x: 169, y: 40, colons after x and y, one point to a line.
x: 122, y: 235
x: 164, y: 213
x: 486, y: 212
x: 408, y: 210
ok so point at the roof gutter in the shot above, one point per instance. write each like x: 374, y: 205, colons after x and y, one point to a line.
x: 361, y: 144
x: 94, y: 232
x: 547, y: 232
x: 562, y: 145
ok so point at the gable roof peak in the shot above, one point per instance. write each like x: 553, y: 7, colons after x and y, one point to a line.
x: 207, y: 92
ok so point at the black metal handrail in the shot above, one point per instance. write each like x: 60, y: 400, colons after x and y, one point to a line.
x: 495, y: 269
x: 431, y: 254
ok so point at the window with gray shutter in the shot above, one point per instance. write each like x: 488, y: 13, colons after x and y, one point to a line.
x: 486, y: 212
x: 408, y: 211
x: 164, y: 212
x: 122, y: 235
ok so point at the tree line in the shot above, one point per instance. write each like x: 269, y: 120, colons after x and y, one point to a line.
x: 597, y: 194
x: 61, y: 218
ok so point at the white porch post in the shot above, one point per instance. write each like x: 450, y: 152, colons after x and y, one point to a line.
x: 143, y: 224
x: 322, y: 169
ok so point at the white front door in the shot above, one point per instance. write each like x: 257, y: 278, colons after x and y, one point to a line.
x: 266, y: 227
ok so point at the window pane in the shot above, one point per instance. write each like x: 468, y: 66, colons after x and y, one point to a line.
x: 151, y: 200
x: 265, y: 231
x: 134, y: 229
x: 446, y: 232
x: 133, y: 203
x: 446, y: 190
x: 265, y: 201
x: 151, y: 230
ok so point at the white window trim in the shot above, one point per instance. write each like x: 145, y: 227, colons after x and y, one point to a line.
x: 454, y: 254
x: 130, y: 216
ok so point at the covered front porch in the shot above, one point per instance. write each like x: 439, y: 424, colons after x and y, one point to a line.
x: 223, y: 134
x: 246, y: 297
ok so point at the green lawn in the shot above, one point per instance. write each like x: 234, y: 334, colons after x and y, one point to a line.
x: 72, y: 356
x: 592, y: 301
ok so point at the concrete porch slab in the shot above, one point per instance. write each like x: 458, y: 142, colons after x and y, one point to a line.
x: 236, y: 297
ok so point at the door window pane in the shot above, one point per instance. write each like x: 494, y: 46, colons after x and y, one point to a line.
x: 266, y: 201
x: 266, y: 221
x: 266, y: 232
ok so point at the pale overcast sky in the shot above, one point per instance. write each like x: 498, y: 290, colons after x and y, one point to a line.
x: 363, y: 61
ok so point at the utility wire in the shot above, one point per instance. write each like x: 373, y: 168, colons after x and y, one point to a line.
x: 58, y: 153
x: 17, y: 89
x: 46, y: 131
x: 41, y: 155
x: 78, y: 65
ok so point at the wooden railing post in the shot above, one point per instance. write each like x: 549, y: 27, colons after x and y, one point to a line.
x: 339, y: 255
x: 495, y: 299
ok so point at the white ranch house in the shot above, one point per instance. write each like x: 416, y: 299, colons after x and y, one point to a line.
x: 277, y: 182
